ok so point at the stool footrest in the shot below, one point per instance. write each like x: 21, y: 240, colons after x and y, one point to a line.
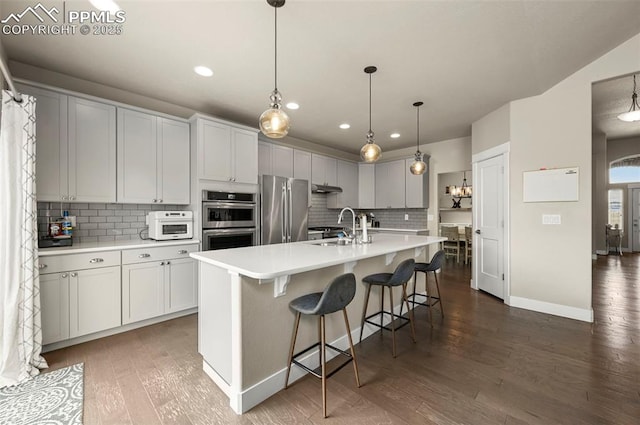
x: 394, y: 317
x: 317, y: 371
x: 415, y: 294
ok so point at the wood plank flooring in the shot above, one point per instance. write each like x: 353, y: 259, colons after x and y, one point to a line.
x: 485, y: 363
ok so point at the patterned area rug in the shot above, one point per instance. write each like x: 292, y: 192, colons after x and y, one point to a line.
x: 53, y: 398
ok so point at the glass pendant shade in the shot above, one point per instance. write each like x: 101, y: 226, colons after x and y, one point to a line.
x: 634, y: 111
x: 274, y: 122
x: 370, y: 152
x: 418, y: 167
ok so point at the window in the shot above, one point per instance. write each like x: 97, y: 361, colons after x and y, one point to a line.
x: 625, y: 170
x: 615, y: 208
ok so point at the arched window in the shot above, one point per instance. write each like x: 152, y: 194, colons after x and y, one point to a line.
x: 625, y: 170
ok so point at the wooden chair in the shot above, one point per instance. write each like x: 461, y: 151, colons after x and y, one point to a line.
x: 614, y: 239
x: 451, y: 246
x: 468, y: 238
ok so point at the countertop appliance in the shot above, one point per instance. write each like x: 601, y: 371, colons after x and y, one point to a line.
x: 168, y: 225
x: 285, y: 212
x: 229, y: 220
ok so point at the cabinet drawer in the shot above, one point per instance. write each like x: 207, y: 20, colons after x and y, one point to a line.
x: 141, y: 255
x: 91, y: 260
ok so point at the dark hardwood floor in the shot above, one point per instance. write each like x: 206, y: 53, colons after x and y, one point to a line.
x: 485, y: 363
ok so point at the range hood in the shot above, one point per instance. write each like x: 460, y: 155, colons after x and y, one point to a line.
x: 319, y: 188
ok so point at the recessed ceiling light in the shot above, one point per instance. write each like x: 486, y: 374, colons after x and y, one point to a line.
x: 395, y: 135
x: 105, y: 5
x: 293, y: 105
x: 203, y: 70
x: 345, y: 126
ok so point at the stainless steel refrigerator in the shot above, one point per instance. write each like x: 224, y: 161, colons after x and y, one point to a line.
x: 284, y: 209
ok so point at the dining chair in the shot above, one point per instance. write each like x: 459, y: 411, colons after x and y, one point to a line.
x: 452, y: 245
x: 468, y: 238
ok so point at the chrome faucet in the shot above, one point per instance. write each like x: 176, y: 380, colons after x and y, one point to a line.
x: 353, y: 228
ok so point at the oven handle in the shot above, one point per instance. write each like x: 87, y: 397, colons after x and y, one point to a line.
x: 239, y: 231
x: 238, y: 205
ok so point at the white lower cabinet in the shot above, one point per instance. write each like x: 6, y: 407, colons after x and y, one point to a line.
x: 157, y: 281
x: 78, y: 302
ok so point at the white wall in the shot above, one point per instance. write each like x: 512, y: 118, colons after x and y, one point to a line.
x: 551, y: 265
x: 491, y: 130
x: 599, y: 204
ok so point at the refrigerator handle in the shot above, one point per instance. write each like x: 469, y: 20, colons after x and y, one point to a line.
x: 283, y: 201
x: 290, y: 213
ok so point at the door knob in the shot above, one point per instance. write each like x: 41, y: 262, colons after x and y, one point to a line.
x: 477, y: 231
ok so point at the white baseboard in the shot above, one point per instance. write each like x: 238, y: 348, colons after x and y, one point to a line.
x: 601, y: 252
x: 583, y: 314
x: 264, y: 389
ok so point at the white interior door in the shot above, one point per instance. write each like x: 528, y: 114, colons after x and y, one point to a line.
x: 489, y: 202
x: 635, y: 214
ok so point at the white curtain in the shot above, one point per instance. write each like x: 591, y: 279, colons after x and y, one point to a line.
x: 20, y: 330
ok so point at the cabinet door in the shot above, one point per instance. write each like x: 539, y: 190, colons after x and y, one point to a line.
x: 324, y: 170
x: 265, y: 158
x: 347, y: 179
x: 173, y: 162
x: 54, y: 307
x: 366, y: 186
x: 142, y: 291
x: 136, y: 157
x: 302, y: 167
x: 94, y: 298
x: 180, y: 285
x: 51, y: 144
x: 416, y: 188
x: 282, y: 161
x: 245, y: 156
x: 214, y: 151
x: 92, y: 151
x: 390, y: 184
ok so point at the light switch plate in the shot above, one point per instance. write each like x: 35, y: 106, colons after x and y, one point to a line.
x: 406, y: 217
x: 551, y: 219
x: 430, y: 217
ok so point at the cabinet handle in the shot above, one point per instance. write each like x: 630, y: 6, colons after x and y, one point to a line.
x: 155, y: 200
x: 42, y: 266
x: 182, y: 251
x: 162, y: 264
x: 96, y: 260
x: 64, y: 198
x: 160, y: 200
x: 234, y: 179
x: 144, y: 255
x: 74, y: 274
x: 168, y: 263
x: 72, y: 198
x: 64, y: 275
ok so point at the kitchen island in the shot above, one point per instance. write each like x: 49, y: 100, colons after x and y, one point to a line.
x: 244, y: 323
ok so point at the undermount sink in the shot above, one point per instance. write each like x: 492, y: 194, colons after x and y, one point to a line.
x: 339, y: 242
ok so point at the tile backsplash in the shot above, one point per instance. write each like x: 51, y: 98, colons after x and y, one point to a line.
x: 321, y: 215
x: 97, y: 222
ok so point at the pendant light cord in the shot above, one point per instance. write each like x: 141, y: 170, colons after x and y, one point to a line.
x: 275, y: 55
x: 369, y: 102
x: 418, y: 129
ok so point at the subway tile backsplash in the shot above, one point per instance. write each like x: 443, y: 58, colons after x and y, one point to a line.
x: 97, y: 222
x: 321, y: 215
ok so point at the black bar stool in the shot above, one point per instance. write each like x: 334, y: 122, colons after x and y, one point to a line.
x: 337, y: 295
x: 433, y: 266
x: 399, y: 277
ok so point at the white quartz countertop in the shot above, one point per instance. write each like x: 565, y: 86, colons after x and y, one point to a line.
x: 271, y: 261
x: 392, y: 229
x: 83, y: 247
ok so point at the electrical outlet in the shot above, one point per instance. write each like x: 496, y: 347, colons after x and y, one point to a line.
x: 406, y: 217
x: 430, y: 217
x: 551, y: 219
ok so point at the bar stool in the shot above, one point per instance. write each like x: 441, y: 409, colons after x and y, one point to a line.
x: 336, y: 296
x: 399, y: 277
x: 435, y: 264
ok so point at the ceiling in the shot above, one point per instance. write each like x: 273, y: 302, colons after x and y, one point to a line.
x: 464, y: 59
x: 609, y: 99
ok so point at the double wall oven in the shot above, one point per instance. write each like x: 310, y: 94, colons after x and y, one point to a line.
x: 229, y: 220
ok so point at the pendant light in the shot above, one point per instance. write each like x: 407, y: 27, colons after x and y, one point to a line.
x: 370, y: 152
x: 634, y: 111
x: 418, y: 167
x: 274, y: 122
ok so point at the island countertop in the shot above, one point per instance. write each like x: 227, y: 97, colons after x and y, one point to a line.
x: 272, y: 261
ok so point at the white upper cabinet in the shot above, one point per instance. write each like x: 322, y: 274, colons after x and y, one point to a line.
x: 390, y: 184
x: 366, y: 186
x: 347, y: 179
x: 324, y: 170
x: 75, y: 148
x: 302, y: 168
x: 225, y: 153
x: 416, y: 187
x: 153, y: 159
x: 275, y: 160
